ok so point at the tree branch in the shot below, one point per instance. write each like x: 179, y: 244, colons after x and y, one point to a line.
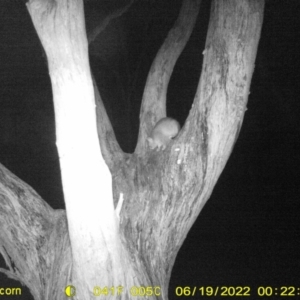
x: 117, y: 13
x: 28, y: 225
x: 97, y: 252
x: 153, y: 106
x: 211, y: 129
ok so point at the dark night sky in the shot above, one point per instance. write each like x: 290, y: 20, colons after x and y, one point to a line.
x: 248, y: 232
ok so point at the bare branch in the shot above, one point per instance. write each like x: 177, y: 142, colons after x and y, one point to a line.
x: 106, y: 21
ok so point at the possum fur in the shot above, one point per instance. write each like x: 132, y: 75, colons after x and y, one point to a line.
x: 163, y: 132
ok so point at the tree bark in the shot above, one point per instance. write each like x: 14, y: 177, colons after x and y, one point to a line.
x: 171, y: 187
x: 157, y: 195
x: 87, y: 184
x: 154, y: 99
x: 34, y: 240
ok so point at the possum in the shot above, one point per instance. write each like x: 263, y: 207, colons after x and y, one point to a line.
x: 163, y: 132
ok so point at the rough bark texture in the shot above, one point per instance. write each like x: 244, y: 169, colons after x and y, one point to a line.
x: 154, y: 99
x: 87, y: 183
x: 34, y: 240
x: 165, y: 191
x: 158, y: 195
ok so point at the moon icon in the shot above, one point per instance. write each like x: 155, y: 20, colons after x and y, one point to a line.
x: 70, y: 291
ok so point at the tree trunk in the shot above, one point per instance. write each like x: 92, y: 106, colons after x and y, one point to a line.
x: 165, y: 191
x: 129, y: 238
x: 87, y: 184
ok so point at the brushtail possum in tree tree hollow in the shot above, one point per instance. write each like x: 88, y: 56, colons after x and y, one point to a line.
x: 163, y: 132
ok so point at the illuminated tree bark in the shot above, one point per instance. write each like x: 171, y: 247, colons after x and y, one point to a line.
x: 128, y: 236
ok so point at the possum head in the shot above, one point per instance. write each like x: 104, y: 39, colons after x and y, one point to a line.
x: 163, y: 132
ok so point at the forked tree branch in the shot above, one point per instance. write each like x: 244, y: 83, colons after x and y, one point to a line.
x: 153, y: 105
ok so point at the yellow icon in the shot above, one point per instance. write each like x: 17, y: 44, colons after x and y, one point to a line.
x: 70, y: 291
